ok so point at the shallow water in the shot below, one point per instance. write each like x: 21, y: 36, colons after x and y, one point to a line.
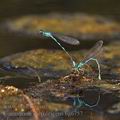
x: 48, y: 95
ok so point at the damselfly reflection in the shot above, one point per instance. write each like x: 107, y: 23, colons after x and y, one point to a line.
x: 90, y: 56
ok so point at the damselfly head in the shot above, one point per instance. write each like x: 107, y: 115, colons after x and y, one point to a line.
x: 45, y: 34
x: 41, y: 31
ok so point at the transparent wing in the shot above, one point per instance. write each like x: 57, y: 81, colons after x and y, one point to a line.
x: 94, y: 51
x: 66, y: 39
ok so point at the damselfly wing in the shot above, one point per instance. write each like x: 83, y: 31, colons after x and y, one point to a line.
x: 94, y: 51
x: 63, y: 38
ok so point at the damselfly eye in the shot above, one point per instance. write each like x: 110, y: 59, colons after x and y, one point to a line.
x: 41, y: 32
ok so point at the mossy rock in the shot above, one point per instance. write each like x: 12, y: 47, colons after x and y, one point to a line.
x: 48, y: 63
x: 82, y: 26
x: 55, y: 63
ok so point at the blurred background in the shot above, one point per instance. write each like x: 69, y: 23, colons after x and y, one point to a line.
x: 14, y: 9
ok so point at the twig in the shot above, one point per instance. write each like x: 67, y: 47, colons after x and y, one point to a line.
x: 32, y: 106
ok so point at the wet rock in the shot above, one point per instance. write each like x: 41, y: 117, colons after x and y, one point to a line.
x: 13, y: 104
x: 65, y: 90
x: 54, y: 97
x: 55, y: 63
x: 47, y: 63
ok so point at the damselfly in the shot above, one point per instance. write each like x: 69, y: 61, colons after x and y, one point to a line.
x: 81, y: 103
x: 90, y: 56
